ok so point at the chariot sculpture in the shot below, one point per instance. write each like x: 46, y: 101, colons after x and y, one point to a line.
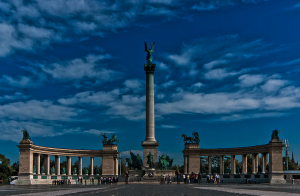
x: 109, y: 141
x: 193, y: 139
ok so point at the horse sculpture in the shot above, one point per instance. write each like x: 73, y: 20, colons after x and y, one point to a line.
x: 186, y: 138
x: 109, y: 141
x: 163, y: 163
x: 135, y: 162
x: 25, y: 134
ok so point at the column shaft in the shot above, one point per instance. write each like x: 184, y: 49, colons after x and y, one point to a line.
x: 38, y: 161
x: 253, y: 163
x: 185, y: 164
x: 47, y: 164
x: 209, y: 164
x: 117, y: 165
x: 57, y: 164
x: 221, y: 164
x: 80, y: 166
x: 69, y: 165
x: 233, y: 170
x: 150, y: 122
x: 245, y: 165
x: 92, y: 166
x: 256, y: 163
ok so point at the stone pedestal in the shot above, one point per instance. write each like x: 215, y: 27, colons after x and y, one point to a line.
x: 150, y: 147
x: 193, y: 158
x: 26, y: 162
x: 109, y: 160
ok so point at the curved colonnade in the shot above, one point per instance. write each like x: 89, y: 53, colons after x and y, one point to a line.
x: 271, y: 151
x: 30, y: 154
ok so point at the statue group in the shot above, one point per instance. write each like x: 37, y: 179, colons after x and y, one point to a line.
x: 165, y: 162
x: 194, y: 139
x: 150, y: 160
x: 135, y: 162
x: 109, y: 141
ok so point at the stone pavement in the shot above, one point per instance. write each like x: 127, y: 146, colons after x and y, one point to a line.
x: 154, y: 189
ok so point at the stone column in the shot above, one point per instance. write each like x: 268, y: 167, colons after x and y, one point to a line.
x: 57, y: 164
x: 116, y: 165
x: 253, y: 164
x: 245, y: 165
x: 47, y: 164
x: 80, y: 166
x: 35, y: 160
x: 209, y: 164
x: 221, y: 164
x: 185, y: 164
x: 276, y: 163
x: 256, y: 162
x: 150, y: 124
x: 38, y: 161
x: 69, y: 165
x: 233, y: 170
x: 26, y: 162
x: 92, y: 166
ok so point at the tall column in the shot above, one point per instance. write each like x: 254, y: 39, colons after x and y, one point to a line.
x: 221, y: 164
x: 92, y: 166
x: 69, y: 165
x: 47, y: 164
x: 245, y: 165
x: 233, y: 171
x: 253, y: 164
x: 38, y: 161
x: 209, y: 164
x: 80, y: 166
x: 185, y: 164
x: 57, y: 164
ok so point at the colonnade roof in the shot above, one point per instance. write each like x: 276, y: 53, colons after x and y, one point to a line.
x: 70, y: 152
x: 228, y: 151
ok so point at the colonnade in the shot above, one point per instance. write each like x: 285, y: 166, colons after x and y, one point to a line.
x: 255, y: 164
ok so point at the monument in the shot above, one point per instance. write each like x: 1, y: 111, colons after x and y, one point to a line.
x: 150, y: 144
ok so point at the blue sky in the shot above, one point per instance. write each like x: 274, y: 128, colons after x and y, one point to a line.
x: 228, y: 69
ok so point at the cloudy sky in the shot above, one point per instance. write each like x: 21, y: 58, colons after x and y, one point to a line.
x: 228, y: 69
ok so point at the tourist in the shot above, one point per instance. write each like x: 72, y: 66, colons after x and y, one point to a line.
x: 200, y: 177
x: 184, y: 179
x: 188, y: 178
x: 208, y: 178
x: 164, y: 176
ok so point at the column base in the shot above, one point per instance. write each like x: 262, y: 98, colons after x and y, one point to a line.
x: 150, y: 146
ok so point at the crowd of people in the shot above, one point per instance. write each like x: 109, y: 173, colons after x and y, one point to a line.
x: 197, y: 178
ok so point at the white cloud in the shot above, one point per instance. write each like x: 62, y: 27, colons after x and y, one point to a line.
x: 20, y: 81
x: 274, y: 85
x: 214, y: 63
x: 219, y: 74
x: 248, y: 80
x: 134, y: 84
x: 217, y: 4
x: 237, y: 117
x: 168, y: 84
x: 98, y: 132
x: 16, y: 96
x: 197, y: 85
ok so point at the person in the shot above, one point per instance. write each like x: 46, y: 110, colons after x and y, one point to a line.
x: 126, y: 178
x: 207, y: 178
x: 200, y: 178
x: 184, y: 179
x: 188, y: 178
x: 164, y: 176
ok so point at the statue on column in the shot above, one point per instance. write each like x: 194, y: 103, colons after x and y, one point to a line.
x: 149, y: 53
x: 275, y: 134
x: 53, y: 170
x: 150, y: 160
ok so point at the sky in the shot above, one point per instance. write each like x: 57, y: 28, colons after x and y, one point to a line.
x: 228, y: 69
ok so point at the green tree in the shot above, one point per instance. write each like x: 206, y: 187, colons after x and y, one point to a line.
x: 292, y: 166
x: 15, y: 168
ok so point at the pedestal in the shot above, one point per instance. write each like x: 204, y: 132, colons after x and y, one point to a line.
x: 150, y: 147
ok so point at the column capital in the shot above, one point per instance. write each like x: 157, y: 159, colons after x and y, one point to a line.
x: 149, y: 68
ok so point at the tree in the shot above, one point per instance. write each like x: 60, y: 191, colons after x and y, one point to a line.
x: 5, y: 169
x: 292, y: 166
x: 15, y: 168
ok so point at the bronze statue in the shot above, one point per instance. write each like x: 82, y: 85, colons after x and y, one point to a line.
x: 104, y: 141
x: 186, y: 139
x: 196, y: 137
x: 275, y: 134
x: 25, y: 134
x: 63, y: 170
x: 135, y: 162
x: 86, y: 171
x: 109, y: 141
x: 43, y: 169
x: 150, y: 160
x: 97, y: 171
x: 75, y: 171
x: 149, y: 53
x: 165, y: 162
x: 53, y: 170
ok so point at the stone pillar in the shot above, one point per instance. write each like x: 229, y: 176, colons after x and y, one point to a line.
x: 276, y: 163
x: 35, y: 161
x: 253, y: 163
x: 233, y: 170
x: 47, y: 164
x: 92, y: 166
x: 80, y: 166
x: 221, y: 164
x: 245, y: 165
x: 26, y: 162
x: 116, y: 165
x: 185, y: 164
x: 209, y: 164
x: 38, y: 161
x: 194, y: 163
x: 69, y: 165
x: 57, y: 165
